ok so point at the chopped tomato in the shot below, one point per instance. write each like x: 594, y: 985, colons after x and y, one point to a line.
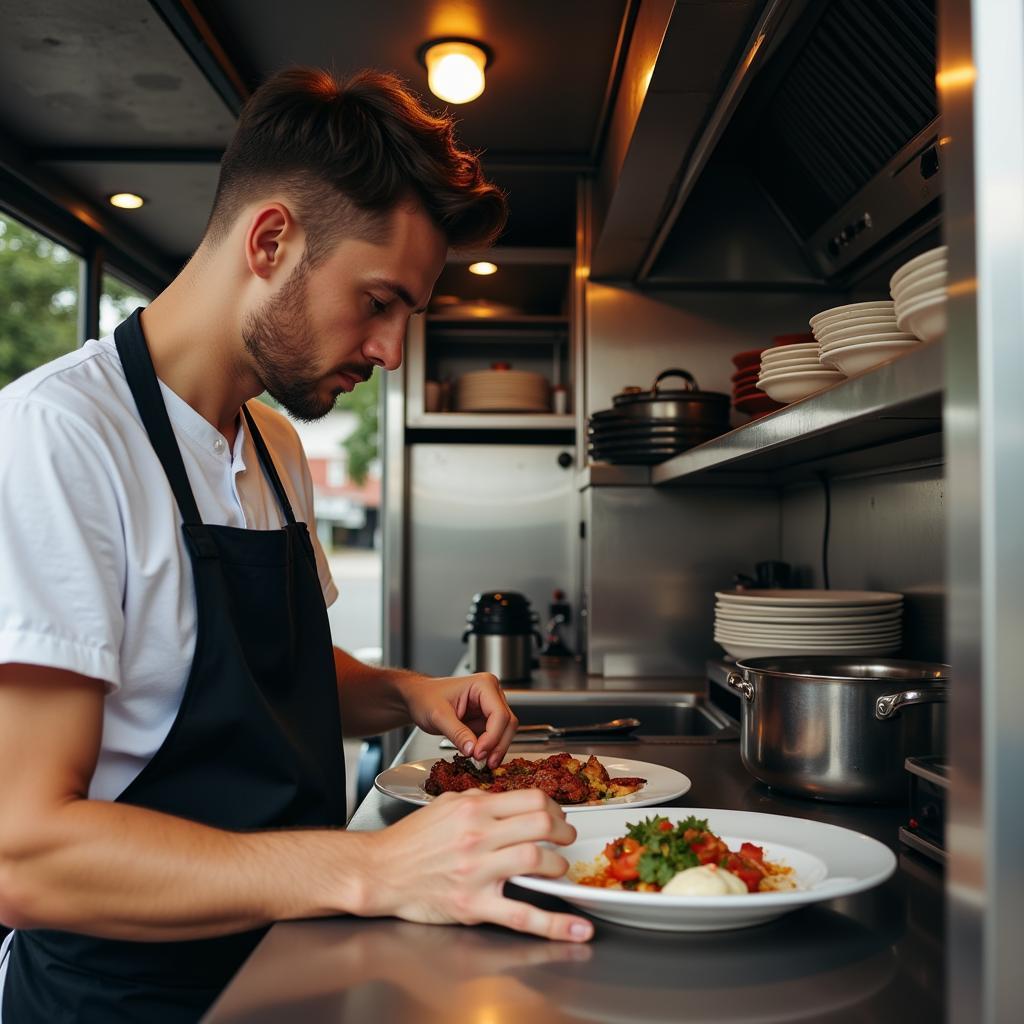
x: 624, y: 859
x: 708, y: 847
x: 752, y: 852
x: 665, y: 826
x: 749, y: 872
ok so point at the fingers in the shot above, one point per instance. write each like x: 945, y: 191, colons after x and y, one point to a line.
x: 524, y: 917
x: 526, y: 859
x: 447, y: 722
x: 491, y: 744
x: 529, y: 827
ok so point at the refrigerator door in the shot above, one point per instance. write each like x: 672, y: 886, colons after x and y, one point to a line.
x: 482, y: 517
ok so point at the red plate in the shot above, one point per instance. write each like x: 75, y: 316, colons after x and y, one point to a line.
x: 746, y: 392
x: 749, y: 373
x: 757, y: 404
x: 743, y: 360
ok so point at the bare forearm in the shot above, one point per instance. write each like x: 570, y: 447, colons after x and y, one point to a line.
x: 124, y: 872
x: 370, y: 698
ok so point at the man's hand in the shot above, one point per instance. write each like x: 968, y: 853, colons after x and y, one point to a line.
x: 448, y: 862
x: 470, y: 710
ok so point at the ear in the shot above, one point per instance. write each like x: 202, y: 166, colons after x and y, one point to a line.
x: 271, y: 239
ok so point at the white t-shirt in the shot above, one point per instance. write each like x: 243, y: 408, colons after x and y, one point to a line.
x: 94, y: 573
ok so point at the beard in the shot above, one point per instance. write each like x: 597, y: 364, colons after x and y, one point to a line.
x: 278, y: 337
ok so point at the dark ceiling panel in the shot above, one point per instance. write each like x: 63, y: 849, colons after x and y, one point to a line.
x: 178, y: 198
x: 544, y: 88
x: 102, y: 72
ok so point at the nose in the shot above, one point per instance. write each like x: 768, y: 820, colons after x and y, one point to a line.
x: 384, y: 346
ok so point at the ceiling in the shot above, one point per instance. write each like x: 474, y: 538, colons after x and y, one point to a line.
x: 142, y: 95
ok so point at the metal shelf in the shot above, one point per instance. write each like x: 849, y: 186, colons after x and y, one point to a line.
x: 605, y: 474
x: 491, y: 421
x: 888, y: 416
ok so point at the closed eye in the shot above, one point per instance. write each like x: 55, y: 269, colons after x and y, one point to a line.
x: 376, y: 306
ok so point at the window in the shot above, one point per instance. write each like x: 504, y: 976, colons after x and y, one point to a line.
x: 117, y: 300
x: 39, y: 296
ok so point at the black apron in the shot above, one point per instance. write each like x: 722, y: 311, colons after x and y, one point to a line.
x: 256, y: 744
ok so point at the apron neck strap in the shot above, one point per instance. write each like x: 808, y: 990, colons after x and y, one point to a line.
x: 145, y: 389
x: 268, y: 466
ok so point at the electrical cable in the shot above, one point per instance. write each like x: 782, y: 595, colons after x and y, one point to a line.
x: 828, y: 525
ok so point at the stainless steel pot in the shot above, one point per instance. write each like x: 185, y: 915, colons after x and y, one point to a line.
x: 686, y: 405
x: 839, y: 728
x: 508, y: 655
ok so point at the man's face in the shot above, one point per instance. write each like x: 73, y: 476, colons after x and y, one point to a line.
x: 328, y: 327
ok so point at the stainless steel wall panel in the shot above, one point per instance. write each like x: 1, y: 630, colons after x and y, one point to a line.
x: 483, y: 517
x: 887, y: 532
x: 655, y: 560
x: 633, y: 335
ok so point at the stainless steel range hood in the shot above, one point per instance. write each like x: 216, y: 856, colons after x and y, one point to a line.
x: 822, y: 157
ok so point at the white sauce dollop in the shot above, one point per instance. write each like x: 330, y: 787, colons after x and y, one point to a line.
x: 707, y: 880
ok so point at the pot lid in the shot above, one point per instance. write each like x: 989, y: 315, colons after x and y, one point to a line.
x: 633, y: 395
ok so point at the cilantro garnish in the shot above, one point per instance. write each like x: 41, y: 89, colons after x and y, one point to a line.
x: 666, y: 850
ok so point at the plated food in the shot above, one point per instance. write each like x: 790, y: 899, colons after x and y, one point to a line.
x: 629, y: 782
x: 682, y: 859
x: 824, y: 862
x: 564, y: 778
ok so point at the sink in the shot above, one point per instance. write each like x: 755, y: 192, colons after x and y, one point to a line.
x: 665, y: 716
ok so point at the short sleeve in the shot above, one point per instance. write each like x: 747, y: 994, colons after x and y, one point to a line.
x: 62, y: 551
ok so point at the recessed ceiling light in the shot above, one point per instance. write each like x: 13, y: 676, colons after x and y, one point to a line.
x: 483, y: 268
x: 455, y: 68
x: 126, y: 200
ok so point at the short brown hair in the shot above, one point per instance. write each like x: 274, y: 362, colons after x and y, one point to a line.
x: 347, y: 152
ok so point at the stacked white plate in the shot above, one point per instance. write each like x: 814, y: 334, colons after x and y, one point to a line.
x: 918, y: 289
x: 792, y: 372
x: 772, y: 623
x: 856, y: 337
x: 502, y: 391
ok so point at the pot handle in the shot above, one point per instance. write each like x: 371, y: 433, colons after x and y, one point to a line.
x: 892, y: 704
x: 691, y: 383
x: 736, y: 682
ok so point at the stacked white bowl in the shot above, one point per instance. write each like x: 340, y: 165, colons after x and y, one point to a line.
x: 918, y: 289
x: 792, y: 372
x: 771, y: 623
x: 502, y: 390
x: 855, y: 337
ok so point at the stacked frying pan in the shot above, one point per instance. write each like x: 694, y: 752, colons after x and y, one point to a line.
x: 645, y: 427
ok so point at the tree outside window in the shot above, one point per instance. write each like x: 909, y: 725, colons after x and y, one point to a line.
x: 39, y: 282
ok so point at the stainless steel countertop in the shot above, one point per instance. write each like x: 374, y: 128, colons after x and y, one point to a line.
x: 878, y: 956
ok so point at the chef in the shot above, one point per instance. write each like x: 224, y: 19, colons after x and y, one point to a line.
x: 171, y: 707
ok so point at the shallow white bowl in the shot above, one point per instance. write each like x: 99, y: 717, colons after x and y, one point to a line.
x: 808, y: 362
x: 857, y: 331
x: 925, y: 318
x: 934, y: 273
x: 864, y: 339
x: 936, y: 282
x: 844, y: 323
x: 791, y: 387
x: 770, y: 379
x: 938, y: 254
x: 858, y: 358
x: 828, y: 862
x: 782, y: 351
x: 729, y: 614
x: 852, y: 309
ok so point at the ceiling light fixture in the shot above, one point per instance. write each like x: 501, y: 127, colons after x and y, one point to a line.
x: 126, y: 200
x: 455, y: 68
x: 483, y: 268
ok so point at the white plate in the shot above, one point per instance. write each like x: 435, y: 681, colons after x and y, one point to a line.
x: 829, y: 347
x: 878, y: 307
x: 829, y: 862
x: 841, y: 323
x: 405, y: 781
x: 799, y: 598
x: 741, y: 650
x: 844, y: 332
x: 854, y: 359
x: 811, y: 635
x: 794, y: 616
